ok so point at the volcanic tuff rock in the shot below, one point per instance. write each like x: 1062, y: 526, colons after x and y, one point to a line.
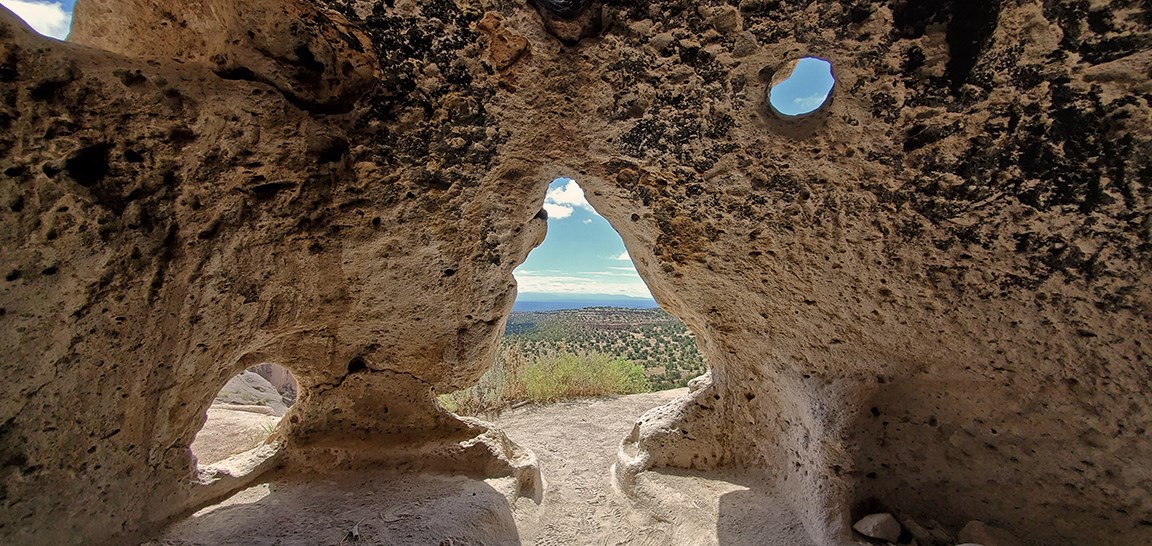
x: 938, y: 295
x: 251, y: 389
x: 880, y: 526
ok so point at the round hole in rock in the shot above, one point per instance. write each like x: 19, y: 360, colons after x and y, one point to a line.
x: 245, y: 412
x: 801, y: 87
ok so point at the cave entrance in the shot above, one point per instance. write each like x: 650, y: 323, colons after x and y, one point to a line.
x: 584, y: 323
x: 586, y: 354
x: 245, y: 412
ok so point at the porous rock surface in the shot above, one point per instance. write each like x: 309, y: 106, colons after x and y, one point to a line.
x: 936, y: 300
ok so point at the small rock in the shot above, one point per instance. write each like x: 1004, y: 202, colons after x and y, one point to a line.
x: 925, y: 535
x: 661, y: 41
x: 746, y: 45
x: 643, y: 28
x: 917, y: 531
x: 881, y: 526
x: 977, y: 532
x: 939, y: 535
x: 727, y: 19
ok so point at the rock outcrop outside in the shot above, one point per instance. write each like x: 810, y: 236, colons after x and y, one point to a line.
x: 934, y: 299
x: 250, y: 389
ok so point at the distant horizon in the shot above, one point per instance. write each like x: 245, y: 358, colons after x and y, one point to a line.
x: 529, y: 302
x: 582, y: 255
x: 560, y: 296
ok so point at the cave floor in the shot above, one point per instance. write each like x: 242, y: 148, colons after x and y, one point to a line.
x: 575, y: 443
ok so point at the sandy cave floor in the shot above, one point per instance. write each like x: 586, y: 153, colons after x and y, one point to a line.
x: 576, y: 444
x: 230, y: 431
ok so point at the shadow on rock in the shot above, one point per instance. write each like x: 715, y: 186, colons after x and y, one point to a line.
x: 723, y: 507
x: 754, y: 513
x: 365, y: 507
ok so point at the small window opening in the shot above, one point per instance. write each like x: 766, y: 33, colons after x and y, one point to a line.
x: 802, y: 87
x: 245, y: 412
x: 52, y: 19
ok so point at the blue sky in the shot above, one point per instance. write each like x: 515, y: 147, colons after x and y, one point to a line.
x: 582, y: 254
x: 48, y: 18
x: 806, y: 89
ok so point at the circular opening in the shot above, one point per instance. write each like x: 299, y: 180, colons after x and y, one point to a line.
x: 245, y: 412
x: 801, y: 87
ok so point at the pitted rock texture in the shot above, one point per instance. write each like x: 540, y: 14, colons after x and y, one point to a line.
x: 936, y: 303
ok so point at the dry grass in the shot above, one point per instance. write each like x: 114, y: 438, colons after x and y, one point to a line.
x: 547, y: 378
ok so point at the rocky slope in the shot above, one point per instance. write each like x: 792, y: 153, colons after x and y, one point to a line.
x: 932, y: 297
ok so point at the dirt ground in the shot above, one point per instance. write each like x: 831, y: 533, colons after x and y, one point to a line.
x: 576, y: 444
x: 230, y: 430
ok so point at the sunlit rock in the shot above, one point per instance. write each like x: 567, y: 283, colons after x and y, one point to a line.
x: 937, y: 294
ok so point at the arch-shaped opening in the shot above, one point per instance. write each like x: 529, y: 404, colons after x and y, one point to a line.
x: 801, y: 88
x: 245, y: 412
x: 584, y: 323
x: 48, y: 17
x: 561, y: 321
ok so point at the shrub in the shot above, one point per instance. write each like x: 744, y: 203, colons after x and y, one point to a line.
x: 567, y: 375
x: 490, y: 393
x: 516, y: 378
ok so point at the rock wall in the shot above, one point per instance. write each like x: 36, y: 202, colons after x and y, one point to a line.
x: 169, y: 223
x: 934, y: 299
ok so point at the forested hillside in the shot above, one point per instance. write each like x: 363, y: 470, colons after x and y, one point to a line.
x: 649, y: 337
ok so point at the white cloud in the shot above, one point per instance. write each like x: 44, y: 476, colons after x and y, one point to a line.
x: 623, y: 256
x: 611, y: 273
x: 48, y: 18
x: 562, y: 201
x: 587, y: 220
x: 568, y: 194
x: 557, y: 212
x: 578, y: 283
x: 813, y: 102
